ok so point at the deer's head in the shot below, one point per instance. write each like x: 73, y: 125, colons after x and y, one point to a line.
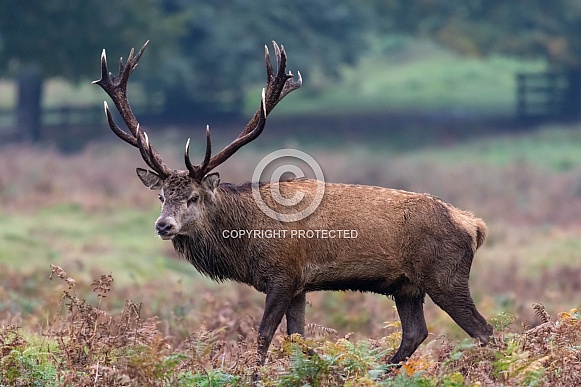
x: 184, y: 200
x: 186, y: 195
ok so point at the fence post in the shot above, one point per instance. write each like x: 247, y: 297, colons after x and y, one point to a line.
x: 521, y: 102
x: 549, y: 95
x: 571, y: 108
x: 28, y: 104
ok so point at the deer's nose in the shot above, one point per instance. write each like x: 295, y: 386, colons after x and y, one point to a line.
x: 166, y: 227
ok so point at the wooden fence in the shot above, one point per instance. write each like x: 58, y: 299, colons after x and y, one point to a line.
x: 549, y: 96
x: 541, y: 97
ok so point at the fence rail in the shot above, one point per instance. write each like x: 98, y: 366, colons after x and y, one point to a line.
x: 58, y: 124
x: 62, y: 115
x: 549, y: 96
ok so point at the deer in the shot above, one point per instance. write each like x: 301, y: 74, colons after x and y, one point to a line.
x: 402, y: 244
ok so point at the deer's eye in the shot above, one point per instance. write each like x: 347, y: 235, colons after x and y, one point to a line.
x: 160, y: 198
x: 193, y: 200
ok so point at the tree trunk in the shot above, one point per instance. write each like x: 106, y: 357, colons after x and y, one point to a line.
x: 28, y: 111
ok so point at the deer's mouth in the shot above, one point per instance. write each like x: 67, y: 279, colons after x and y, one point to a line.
x: 166, y: 237
x: 165, y: 234
x: 166, y: 228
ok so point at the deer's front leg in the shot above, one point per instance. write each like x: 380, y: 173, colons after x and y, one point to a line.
x: 278, y: 299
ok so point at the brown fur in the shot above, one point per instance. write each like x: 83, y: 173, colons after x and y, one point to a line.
x: 400, y: 244
x: 406, y: 245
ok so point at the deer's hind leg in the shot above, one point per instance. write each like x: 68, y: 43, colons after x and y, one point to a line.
x: 452, y: 294
x: 458, y: 303
x: 295, y: 315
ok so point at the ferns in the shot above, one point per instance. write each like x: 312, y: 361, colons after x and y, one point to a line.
x: 88, y: 345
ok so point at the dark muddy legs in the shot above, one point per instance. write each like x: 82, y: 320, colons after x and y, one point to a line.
x: 455, y: 299
x: 413, y: 325
x: 279, y: 302
x: 295, y: 315
x: 457, y: 302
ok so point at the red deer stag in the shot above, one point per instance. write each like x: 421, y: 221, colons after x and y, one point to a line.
x: 403, y: 245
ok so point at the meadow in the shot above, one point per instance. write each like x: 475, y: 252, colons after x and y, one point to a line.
x: 90, y: 296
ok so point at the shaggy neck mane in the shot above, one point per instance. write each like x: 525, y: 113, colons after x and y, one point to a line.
x: 205, y: 246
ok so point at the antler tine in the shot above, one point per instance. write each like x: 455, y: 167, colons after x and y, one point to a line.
x: 104, y: 71
x: 254, y: 133
x: 277, y: 87
x: 149, y: 154
x: 208, y: 154
x: 244, y: 138
x: 197, y: 172
x: 116, y: 88
x: 281, y: 61
x: 121, y: 65
x: 187, y: 160
x: 291, y: 84
x: 116, y: 129
x: 142, y: 143
x: 126, y: 70
x: 269, y: 70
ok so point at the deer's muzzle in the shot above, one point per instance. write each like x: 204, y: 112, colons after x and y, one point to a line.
x: 166, y: 228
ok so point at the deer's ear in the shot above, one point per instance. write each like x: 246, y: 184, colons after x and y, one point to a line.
x: 211, y: 181
x: 150, y: 179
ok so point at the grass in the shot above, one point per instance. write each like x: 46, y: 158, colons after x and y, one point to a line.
x: 72, y: 233
x: 88, y: 344
x: 555, y: 148
x: 160, y: 323
x: 60, y: 92
x: 88, y: 214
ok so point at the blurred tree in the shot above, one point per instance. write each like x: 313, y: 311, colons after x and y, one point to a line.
x: 205, y: 53
x: 221, y: 50
x: 532, y: 28
x: 210, y: 48
x: 48, y: 38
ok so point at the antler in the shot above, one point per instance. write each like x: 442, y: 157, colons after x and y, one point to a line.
x: 277, y: 87
x: 116, y: 88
